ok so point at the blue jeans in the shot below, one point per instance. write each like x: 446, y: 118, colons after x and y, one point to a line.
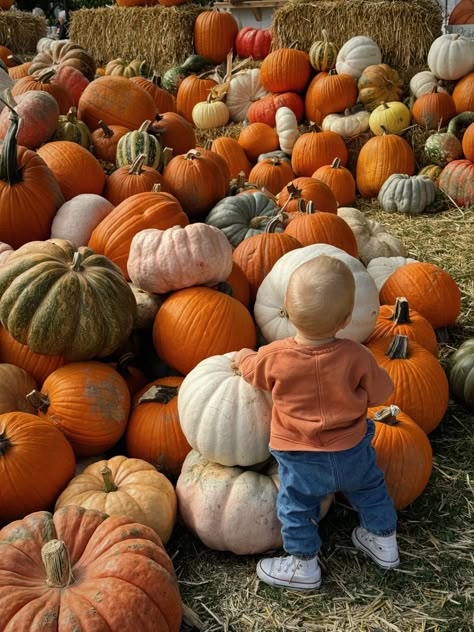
x: 306, y: 477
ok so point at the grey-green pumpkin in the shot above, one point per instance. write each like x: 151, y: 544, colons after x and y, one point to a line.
x: 133, y: 144
x: 461, y: 373
x: 407, y: 194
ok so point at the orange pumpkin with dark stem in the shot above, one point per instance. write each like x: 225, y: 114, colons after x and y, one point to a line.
x: 133, y: 376
x: 310, y: 226
x: 310, y: 190
x: 285, y: 70
x: 192, y: 90
x: 315, y: 149
x: 400, y: 319
x: 221, y: 163
x: 233, y: 153
x: 220, y: 324
x: 214, y: 34
x: 154, y: 433
x: 174, y: 131
x: 195, y: 181
x: 256, y: 139
x: 53, y: 566
x: 330, y: 92
x: 19, y: 71
x: 339, y: 179
x: 463, y: 94
x: 132, y: 179
x: 257, y: 255
x: 37, y: 365
x: 433, y: 110
x: 113, y: 236
x: 75, y: 169
x: 36, y: 463
x: 89, y: 402
x: 272, y: 173
x: 403, y: 454
x: 44, y: 82
x: 105, y: 140
x: 430, y: 290
x: 164, y: 100
x: 421, y: 385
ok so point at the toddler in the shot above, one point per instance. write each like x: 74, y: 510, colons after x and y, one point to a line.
x: 320, y: 435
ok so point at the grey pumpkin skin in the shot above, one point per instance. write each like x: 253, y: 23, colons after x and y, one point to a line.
x: 60, y: 300
x: 461, y: 373
x: 407, y: 194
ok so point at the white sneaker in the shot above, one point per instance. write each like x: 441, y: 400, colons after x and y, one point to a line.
x: 382, y: 549
x: 290, y: 572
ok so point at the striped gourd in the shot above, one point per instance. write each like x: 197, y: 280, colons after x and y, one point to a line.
x: 432, y: 171
x: 131, y: 145
x: 323, y: 54
x: 72, y: 129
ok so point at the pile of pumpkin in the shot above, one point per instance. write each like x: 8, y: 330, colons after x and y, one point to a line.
x: 181, y: 251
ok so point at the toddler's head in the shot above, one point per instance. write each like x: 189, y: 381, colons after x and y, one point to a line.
x: 320, y: 296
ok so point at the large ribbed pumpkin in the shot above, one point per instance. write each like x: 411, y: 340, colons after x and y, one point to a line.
x: 75, y: 169
x: 285, y: 70
x: 310, y: 190
x: 63, y: 301
x: 113, y: 236
x: 196, y: 323
x: 316, y: 149
x: 330, y: 92
x: 457, y: 180
x: 89, y: 402
x: 72, y: 568
x: 379, y: 158
x: 153, y: 432
x: 116, y: 101
x: 214, y: 34
x: 431, y: 291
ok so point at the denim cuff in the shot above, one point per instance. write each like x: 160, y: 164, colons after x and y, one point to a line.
x: 385, y: 532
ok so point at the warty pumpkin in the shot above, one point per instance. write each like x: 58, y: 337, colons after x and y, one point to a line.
x: 457, y: 180
x: 58, y: 561
x: 41, y: 286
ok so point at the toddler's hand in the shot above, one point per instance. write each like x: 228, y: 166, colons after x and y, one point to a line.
x: 239, y: 356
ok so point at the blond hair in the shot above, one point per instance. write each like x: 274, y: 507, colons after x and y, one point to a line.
x: 320, y: 296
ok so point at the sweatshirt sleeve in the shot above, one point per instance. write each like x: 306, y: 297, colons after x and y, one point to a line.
x: 376, y: 382
x: 256, y: 370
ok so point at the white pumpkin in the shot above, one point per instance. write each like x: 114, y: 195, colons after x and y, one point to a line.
x: 286, y: 129
x: 372, y: 238
x: 269, y: 310
x: 425, y: 82
x: 356, y: 54
x: 380, y: 268
x: 77, y: 218
x: 222, y: 416
x: 210, y: 114
x: 245, y: 88
x: 347, y: 124
x: 451, y: 56
x: 162, y: 261
x: 230, y: 508
x: 407, y: 194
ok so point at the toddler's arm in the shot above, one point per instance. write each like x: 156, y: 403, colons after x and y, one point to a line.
x: 376, y: 382
x: 239, y: 356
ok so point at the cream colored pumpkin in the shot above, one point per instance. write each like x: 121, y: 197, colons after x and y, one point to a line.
x: 372, y: 238
x: 210, y: 114
x: 77, y: 218
x: 5, y: 251
x: 394, y: 116
x: 407, y: 194
x: 425, y: 82
x: 380, y: 268
x: 356, y: 54
x: 269, y: 310
x: 130, y: 487
x: 223, y: 417
x: 163, y: 261
x: 347, y: 124
x: 451, y: 56
x: 245, y: 87
x: 286, y: 128
x: 231, y: 508
x: 15, y: 384
x: 148, y: 305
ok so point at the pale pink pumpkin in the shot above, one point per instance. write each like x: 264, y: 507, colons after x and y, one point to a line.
x: 73, y: 79
x: 77, y: 218
x: 39, y: 114
x: 162, y: 261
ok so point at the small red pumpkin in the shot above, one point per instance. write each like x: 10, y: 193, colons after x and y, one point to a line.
x: 264, y: 110
x: 253, y: 42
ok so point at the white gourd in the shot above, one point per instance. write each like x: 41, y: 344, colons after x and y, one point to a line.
x: 425, y: 82
x: 347, y: 124
x: 451, y: 56
x: 381, y: 268
x: 286, y: 129
x: 356, y: 54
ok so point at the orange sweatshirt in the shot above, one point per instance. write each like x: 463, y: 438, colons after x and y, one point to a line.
x: 320, y: 394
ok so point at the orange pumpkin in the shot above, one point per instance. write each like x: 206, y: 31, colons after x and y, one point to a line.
x: 310, y: 190
x: 19, y: 71
x: 330, y: 92
x: 192, y: 90
x: 238, y: 285
x: 133, y: 376
x: 316, y: 149
x: 214, y: 35
x: 113, y: 236
x: 272, y: 173
x: 174, y: 131
x: 43, y: 81
x: 164, y: 100
x: 220, y: 324
x: 105, y: 140
x: 88, y: 401
x: 132, y: 179
x: 285, y: 70
x: 154, y: 433
x: 433, y: 110
x: 256, y: 139
x: 339, y: 179
x: 463, y: 94
x: 233, y: 153
x: 468, y: 143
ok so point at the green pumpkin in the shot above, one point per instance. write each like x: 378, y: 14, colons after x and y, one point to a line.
x: 60, y: 300
x: 241, y: 216
x: 461, y: 373
x: 133, y: 144
x: 195, y: 63
x: 72, y: 129
x: 443, y: 147
x: 173, y: 77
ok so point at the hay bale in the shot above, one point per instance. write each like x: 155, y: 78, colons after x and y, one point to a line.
x: 20, y: 31
x: 163, y: 36
x: 403, y: 29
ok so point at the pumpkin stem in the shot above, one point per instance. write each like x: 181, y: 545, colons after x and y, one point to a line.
x: 336, y: 163
x: 257, y: 221
x: 124, y: 363
x: 274, y: 223
x: 144, y: 126
x: 46, y: 75
x: 76, y: 262
x: 38, y: 400
x: 275, y: 161
x: 385, y: 106
x: 5, y: 444
x: 294, y: 194
x: 325, y: 36
x: 401, y: 311
x: 159, y: 393
x: 109, y: 485
x: 192, y: 154
x: 224, y: 288
x: 293, y: 44
x: 57, y: 564
x: 15, y: 60
x: 108, y: 133
x: 208, y: 145
x: 137, y: 164
x: 388, y: 415
x: 398, y: 349
x: 282, y: 313
x: 156, y: 188
x: 156, y: 79
x: 71, y: 115
x: 166, y: 156
x: 9, y: 170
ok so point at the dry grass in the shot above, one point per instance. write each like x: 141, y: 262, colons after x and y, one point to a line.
x: 163, y: 36
x: 403, y: 30
x: 20, y: 31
